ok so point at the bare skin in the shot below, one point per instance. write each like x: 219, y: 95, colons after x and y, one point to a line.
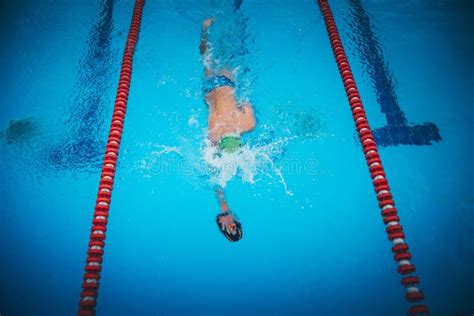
x: 226, y: 222
x: 225, y: 115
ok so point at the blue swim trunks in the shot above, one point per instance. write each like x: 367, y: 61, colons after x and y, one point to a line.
x: 215, y: 82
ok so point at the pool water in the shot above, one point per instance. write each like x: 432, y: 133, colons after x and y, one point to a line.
x: 313, y: 240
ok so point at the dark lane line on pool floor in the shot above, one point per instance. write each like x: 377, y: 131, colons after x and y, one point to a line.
x: 82, y: 145
x: 397, y: 131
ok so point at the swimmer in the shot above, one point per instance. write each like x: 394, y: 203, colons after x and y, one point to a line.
x: 228, y: 120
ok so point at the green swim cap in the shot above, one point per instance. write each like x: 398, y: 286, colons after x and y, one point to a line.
x: 230, y: 144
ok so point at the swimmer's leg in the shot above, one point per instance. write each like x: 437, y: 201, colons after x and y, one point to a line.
x: 205, y: 45
x: 207, y: 54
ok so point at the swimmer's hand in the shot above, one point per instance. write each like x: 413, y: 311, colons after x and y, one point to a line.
x: 230, y: 226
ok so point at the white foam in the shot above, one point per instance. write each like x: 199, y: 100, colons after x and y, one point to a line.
x: 247, y: 164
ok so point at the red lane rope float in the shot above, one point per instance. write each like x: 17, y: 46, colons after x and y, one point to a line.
x: 90, y: 285
x: 367, y: 140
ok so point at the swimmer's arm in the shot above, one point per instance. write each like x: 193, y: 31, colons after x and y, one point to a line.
x: 247, y: 109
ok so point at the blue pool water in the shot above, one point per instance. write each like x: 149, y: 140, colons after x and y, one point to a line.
x: 314, y: 242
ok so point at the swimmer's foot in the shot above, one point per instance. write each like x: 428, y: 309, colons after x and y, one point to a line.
x: 229, y: 225
x: 206, y: 24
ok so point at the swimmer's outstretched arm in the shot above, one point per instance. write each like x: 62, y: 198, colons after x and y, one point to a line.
x: 227, y: 222
x: 221, y: 200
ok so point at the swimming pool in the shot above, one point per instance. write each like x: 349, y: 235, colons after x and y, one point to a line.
x: 313, y: 243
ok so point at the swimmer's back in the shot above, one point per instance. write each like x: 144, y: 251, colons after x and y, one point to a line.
x: 225, y: 116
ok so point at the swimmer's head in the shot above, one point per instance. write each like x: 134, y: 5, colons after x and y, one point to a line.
x: 230, y: 143
x: 229, y: 225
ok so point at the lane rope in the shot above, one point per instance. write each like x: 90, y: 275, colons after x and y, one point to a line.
x: 389, y: 213
x: 90, y: 285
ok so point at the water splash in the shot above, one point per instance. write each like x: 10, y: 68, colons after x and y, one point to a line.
x: 250, y: 163
x: 279, y: 173
x: 204, y: 165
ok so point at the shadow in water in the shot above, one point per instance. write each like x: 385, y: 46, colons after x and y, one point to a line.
x: 20, y: 130
x: 397, y: 131
x: 83, y: 140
